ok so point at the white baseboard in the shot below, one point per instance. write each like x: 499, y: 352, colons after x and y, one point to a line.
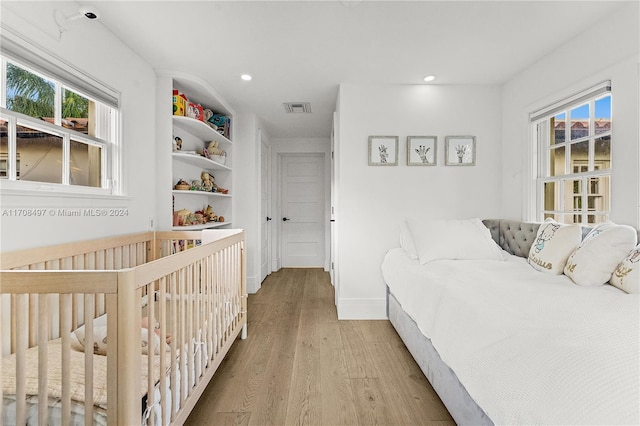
x: 275, y: 265
x: 253, y: 285
x: 362, y: 309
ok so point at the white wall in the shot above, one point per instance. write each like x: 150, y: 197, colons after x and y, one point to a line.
x: 246, y: 189
x: 373, y: 199
x: 96, y: 51
x: 608, y: 50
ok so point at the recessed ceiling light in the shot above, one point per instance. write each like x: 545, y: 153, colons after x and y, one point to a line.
x: 430, y: 78
x: 246, y: 77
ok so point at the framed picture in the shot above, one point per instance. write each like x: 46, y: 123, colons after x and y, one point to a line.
x: 460, y: 150
x: 383, y: 150
x: 422, y: 150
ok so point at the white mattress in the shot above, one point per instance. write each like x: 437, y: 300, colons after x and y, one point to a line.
x: 530, y: 348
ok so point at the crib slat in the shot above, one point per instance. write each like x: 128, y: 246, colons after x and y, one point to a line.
x: 2, y: 296
x: 189, y: 320
x: 216, y: 305
x: 117, y: 258
x: 151, y: 397
x: 112, y: 358
x: 43, y: 337
x: 22, y: 301
x: 163, y: 353
x: 89, y: 315
x: 183, y: 338
x: 174, y: 340
x: 65, y: 330
x: 33, y: 319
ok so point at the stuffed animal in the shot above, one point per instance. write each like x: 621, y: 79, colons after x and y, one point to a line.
x: 208, y: 183
x: 214, y: 149
x: 209, y: 214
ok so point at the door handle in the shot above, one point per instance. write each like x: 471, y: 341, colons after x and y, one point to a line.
x: 284, y: 219
x: 268, y: 218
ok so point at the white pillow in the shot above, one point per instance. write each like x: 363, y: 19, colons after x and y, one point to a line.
x: 98, y: 322
x: 592, y: 263
x: 553, y: 245
x: 100, y: 337
x: 453, y: 239
x: 100, y: 340
x: 406, y: 241
x: 627, y: 275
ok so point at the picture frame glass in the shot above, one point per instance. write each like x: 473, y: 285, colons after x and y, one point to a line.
x: 460, y: 150
x: 422, y: 150
x: 383, y: 150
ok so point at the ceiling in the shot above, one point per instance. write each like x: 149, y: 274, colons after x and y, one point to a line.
x: 300, y: 51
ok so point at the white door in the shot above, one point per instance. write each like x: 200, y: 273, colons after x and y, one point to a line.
x: 265, y: 220
x: 302, y: 211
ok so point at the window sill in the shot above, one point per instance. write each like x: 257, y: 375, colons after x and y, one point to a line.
x: 50, y: 191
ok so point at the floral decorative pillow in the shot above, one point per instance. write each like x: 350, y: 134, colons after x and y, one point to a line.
x: 593, y: 262
x: 627, y: 275
x: 553, y: 245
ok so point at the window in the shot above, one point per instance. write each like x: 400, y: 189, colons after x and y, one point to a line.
x: 53, y: 133
x: 574, y: 157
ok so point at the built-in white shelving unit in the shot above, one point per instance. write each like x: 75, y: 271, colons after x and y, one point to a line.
x: 186, y: 164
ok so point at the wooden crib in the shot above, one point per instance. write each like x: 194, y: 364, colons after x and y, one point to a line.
x: 184, y: 292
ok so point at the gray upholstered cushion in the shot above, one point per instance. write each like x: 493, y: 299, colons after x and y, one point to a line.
x: 513, y: 236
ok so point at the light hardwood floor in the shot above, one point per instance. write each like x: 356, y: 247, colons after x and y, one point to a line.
x: 301, y: 366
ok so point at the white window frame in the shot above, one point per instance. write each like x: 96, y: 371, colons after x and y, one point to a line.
x: 108, y: 121
x: 542, y: 150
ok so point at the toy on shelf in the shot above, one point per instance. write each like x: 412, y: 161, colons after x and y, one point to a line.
x: 207, y: 182
x: 179, y: 103
x: 222, y: 123
x: 195, y: 111
x: 213, y: 152
x: 181, y: 217
x: 210, y: 215
x: 177, y: 144
x: 182, y: 185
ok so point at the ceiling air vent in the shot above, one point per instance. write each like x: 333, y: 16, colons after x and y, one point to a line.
x: 298, y: 107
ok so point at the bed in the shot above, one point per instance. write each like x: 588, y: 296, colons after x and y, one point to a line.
x: 502, y: 343
x: 123, y: 330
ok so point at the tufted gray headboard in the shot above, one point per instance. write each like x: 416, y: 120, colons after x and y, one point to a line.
x: 513, y: 236
x: 516, y: 237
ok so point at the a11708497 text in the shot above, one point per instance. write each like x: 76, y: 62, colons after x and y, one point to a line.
x: 65, y: 212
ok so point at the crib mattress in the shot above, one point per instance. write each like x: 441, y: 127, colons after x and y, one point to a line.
x: 54, y: 376
x: 54, y: 379
x: 530, y: 348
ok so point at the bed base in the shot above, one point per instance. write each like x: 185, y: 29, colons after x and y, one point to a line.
x: 455, y: 397
x: 191, y: 285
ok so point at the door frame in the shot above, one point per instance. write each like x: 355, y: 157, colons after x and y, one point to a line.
x: 266, y: 210
x: 278, y: 151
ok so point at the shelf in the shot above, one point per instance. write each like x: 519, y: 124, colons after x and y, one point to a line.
x: 200, y: 193
x: 200, y: 227
x: 199, y: 161
x: 199, y: 129
x: 187, y: 163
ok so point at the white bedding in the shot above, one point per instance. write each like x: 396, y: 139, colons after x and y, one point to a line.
x: 530, y: 348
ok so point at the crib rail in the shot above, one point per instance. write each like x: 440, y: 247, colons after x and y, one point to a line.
x: 192, y: 295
